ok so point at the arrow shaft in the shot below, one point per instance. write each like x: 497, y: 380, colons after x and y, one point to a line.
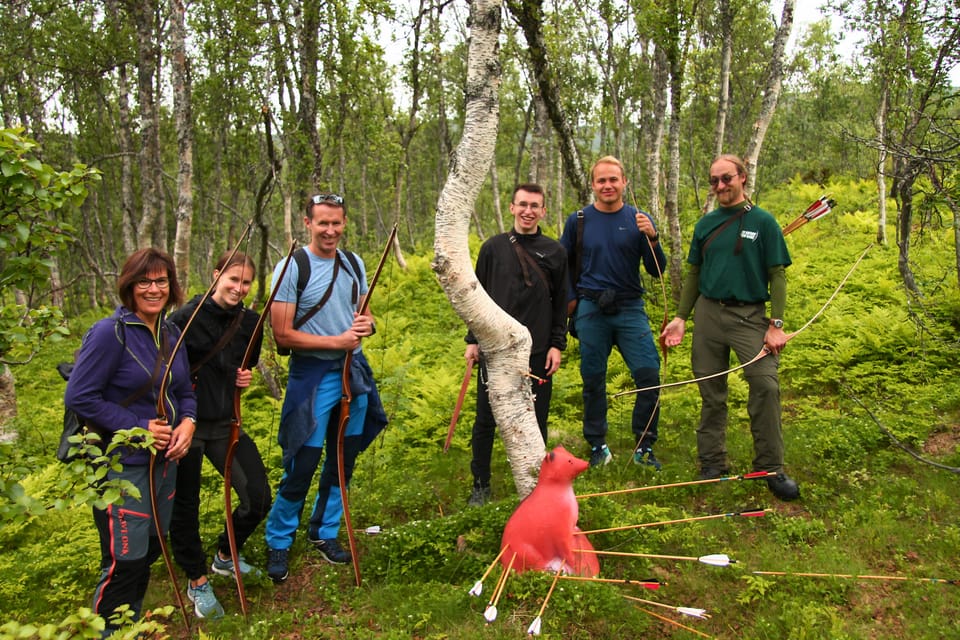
x: 746, y: 514
x: 850, y: 576
x: 646, y: 584
x: 746, y: 476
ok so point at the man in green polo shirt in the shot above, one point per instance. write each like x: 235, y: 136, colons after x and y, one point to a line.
x: 737, y: 263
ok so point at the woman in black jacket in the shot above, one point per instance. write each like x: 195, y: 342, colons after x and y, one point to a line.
x: 215, y: 343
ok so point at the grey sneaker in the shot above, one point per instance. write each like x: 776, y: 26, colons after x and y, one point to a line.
x: 225, y: 567
x: 205, y: 604
x: 277, y: 564
x: 479, y: 496
x: 331, y: 551
x: 600, y: 456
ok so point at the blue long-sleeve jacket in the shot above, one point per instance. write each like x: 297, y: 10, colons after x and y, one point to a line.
x: 118, y: 357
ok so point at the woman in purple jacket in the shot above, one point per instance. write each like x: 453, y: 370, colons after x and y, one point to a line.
x: 115, y: 385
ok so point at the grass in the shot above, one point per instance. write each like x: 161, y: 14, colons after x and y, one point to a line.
x: 867, y: 507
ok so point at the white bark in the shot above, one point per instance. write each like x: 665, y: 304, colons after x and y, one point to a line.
x: 771, y: 94
x: 180, y: 71
x: 881, y: 124
x: 504, y: 342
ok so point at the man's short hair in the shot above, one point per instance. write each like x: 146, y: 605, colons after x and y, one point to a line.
x: 608, y: 160
x: 529, y: 187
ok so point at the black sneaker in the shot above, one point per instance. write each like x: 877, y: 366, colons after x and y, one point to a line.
x: 277, y: 564
x: 331, y: 551
x: 600, y: 456
x: 782, y: 486
x: 479, y: 496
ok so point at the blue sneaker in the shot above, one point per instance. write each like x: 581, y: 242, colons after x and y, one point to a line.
x: 225, y: 567
x: 331, y: 550
x: 644, y: 456
x: 600, y: 456
x: 277, y: 565
x: 205, y: 604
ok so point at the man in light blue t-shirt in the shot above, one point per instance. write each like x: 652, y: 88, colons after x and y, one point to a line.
x: 320, y: 325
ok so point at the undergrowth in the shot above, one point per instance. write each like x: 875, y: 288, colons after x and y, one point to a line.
x: 875, y: 365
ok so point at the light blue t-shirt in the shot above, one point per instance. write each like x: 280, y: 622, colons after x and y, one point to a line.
x: 336, y: 315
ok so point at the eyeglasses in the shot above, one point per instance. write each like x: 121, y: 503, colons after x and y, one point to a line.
x: 332, y: 198
x: 533, y: 206
x: 144, y: 283
x: 725, y: 179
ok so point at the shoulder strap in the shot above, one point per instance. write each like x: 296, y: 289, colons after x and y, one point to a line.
x: 228, y: 334
x: 578, y: 258
x: 299, y: 322
x: 526, y: 259
x: 729, y: 221
x: 354, y: 271
x: 303, y: 270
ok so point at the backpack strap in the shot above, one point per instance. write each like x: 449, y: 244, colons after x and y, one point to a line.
x: 578, y: 251
x: 355, y: 272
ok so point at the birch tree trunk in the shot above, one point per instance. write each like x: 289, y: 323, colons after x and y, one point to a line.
x: 771, y: 94
x: 144, y: 14
x: 723, y: 103
x: 180, y: 72
x: 504, y: 342
x: 654, y: 128
x: 881, y: 125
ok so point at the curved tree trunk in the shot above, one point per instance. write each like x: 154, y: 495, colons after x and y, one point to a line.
x: 771, y: 94
x: 504, y: 341
x: 529, y: 14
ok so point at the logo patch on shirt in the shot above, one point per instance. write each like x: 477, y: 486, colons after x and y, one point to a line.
x: 749, y: 235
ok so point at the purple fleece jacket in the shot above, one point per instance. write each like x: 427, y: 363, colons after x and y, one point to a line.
x: 106, y: 373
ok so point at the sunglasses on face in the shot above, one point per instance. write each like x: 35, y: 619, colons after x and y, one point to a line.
x: 332, y: 198
x: 725, y: 179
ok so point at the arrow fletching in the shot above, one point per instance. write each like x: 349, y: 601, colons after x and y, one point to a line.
x: 693, y: 613
x: 490, y: 614
x: 717, y: 560
x: 534, y: 628
x: 477, y: 588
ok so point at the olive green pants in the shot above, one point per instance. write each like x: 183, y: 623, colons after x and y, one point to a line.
x: 719, y: 329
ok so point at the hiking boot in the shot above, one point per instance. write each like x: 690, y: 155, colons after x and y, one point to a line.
x: 644, y: 456
x: 277, y: 565
x: 479, y: 496
x: 600, y: 456
x: 782, y: 486
x: 712, y: 473
x: 331, y: 551
x: 225, y: 567
x: 205, y: 604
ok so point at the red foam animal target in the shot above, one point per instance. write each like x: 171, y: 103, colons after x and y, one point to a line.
x: 542, y: 533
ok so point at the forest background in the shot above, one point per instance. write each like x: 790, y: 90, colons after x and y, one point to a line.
x: 137, y: 123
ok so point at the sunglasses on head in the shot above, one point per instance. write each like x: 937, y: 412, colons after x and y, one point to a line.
x: 332, y: 198
x: 725, y: 179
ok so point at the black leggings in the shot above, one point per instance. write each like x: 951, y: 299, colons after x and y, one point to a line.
x: 248, y: 478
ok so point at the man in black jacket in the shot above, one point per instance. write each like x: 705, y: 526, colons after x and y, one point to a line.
x: 525, y: 273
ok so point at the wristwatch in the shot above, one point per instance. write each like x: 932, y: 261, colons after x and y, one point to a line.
x: 777, y: 322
